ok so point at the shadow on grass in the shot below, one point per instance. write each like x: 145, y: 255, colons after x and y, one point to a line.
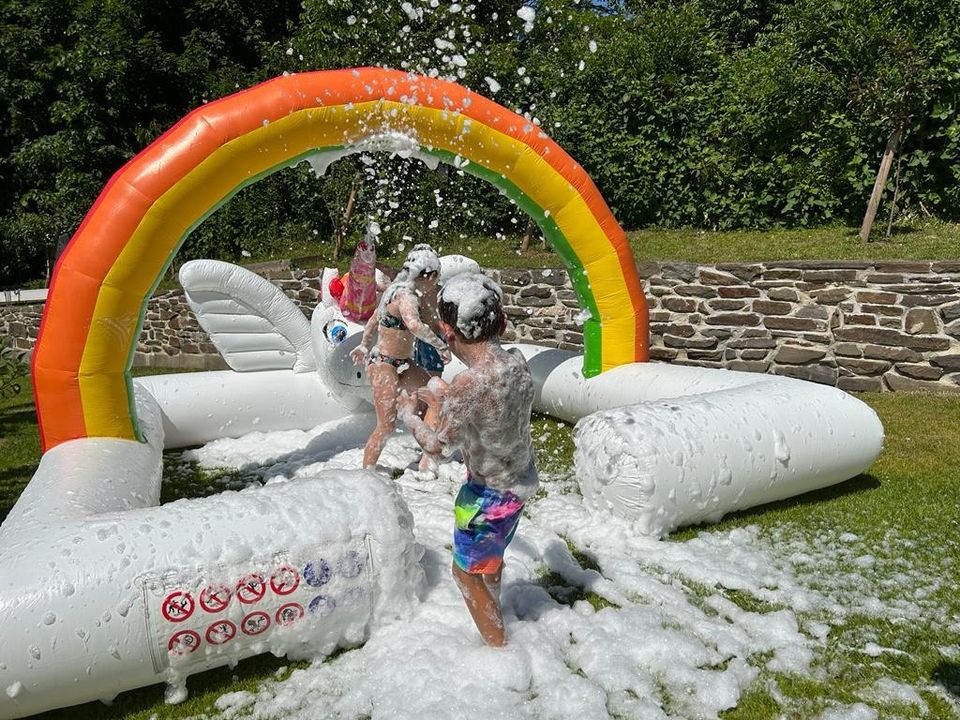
x: 947, y: 676
x: 204, y: 689
x: 854, y: 486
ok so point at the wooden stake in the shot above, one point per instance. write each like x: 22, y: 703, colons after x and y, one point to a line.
x: 878, y: 186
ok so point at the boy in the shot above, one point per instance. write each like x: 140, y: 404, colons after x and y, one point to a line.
x: 484, y: 411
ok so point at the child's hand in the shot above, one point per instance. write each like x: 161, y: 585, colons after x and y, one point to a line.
x: 426, y: 396
x: 359, y: 355
x: 406, y: 406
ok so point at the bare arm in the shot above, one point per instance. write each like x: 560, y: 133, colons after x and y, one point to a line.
x: 359, y: 353
x: 455, y: 407
x: 410, y: 312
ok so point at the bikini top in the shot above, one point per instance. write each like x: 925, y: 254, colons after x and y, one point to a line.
x: 392, y: 321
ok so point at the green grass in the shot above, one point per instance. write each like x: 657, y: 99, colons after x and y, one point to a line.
x: 928, y: 241
x: 906, y: 511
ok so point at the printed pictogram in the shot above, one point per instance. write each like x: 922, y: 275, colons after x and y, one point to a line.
x: 284, y: 580
x: 289, y: 614
x: 317, y: 573
x: 177, y: 606
x: 183, y: 643
x: 351, y: 564
x: 255, y: 623
x: 220, y: 632
x: 215, y: 598
x: 322, y: 605
x: 251, y: 589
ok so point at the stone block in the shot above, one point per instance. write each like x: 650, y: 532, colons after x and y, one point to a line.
x: 754, y: 354
x: 781, y: 274
x: 794, y: 324
x: 659, y: 316
x: 927, y: 300
x: 784, y: 294
x: 874, y: 296
x: 679, y: 270
x: 748, y: 366
x: 831, y: 296
x: 950, y: 362
x: 859, y: 384
x: 679, y: 304
x: 882, y: 278
x: 537, y: 291
x: 946, y: 266
x: 694, y: 343
x: 864, y: 367
x: 752, y: 343
x: 793, y: 355
x: 888, y: 310
x: 647, y: 269
x: 771, y: 307
x: 920, y: 320
x: 715, y: 277
x: 896, y: 354
x: 534, y: 301
x: 890, y: 322
x: 817, y: 312
x: 722, y: 304
x: 859, y: 319
x: 847, y: 350
x: 812, y: 373
x: 721, y: 333
x: 705, y: 354
x: 662, y: 353
x: 950, y: 312
x: 920, y: 371
x: 899, y: 383
x: 833, y: 276
x: 739, y: 319
x: 672, y: 329
x: 902, y: 266
x: 696, y: 291
x: 738, y: 291
x: 550, y: 276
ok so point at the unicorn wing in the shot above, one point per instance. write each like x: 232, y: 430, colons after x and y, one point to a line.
x: 249, y: 319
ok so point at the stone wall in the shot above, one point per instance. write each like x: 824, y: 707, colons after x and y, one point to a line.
x: 863, y: 326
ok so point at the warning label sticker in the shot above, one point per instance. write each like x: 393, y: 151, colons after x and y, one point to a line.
x: 197, y: 616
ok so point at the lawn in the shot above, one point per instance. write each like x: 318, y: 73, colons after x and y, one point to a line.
x: 890, y: 537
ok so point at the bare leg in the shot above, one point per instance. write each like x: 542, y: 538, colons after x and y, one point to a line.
x: 493, y: 583
x: 383, y: 379
x: 429, y: 461
x: 484, y: 607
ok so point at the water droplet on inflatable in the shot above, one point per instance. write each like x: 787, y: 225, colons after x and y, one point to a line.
x: 49, y: 618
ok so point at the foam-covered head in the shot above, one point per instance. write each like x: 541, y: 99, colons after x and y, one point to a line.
x: 421, y: 261
x: 472, y: 303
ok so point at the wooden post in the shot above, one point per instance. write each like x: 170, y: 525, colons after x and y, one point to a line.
x: 878, y: 186
x: 341, y: 231
x: 527, y: 235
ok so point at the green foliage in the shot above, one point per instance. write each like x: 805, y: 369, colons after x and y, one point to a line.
x: 716, y: 114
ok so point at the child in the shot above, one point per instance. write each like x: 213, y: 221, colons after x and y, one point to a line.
x: 484, y: 411
x: 395, y: 324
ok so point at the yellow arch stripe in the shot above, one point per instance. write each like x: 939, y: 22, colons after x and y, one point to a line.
x: 116, y: 317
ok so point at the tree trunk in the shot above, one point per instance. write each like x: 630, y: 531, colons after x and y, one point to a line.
x: 878, y: 186
x: 341, y: 232
x: 527, y: 235
x: 896, y: 195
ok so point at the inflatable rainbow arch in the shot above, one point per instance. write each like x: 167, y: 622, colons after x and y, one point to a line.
x: 110, y: 268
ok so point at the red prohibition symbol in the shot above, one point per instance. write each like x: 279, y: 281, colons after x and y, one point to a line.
x: 289, y: 614
x: 215, y: 598
x: 284, y: 580
x: 177, y: 606
x: 255, y: 623
x: 251, y: 589
x: 183, y: 643
x: 222, y: 631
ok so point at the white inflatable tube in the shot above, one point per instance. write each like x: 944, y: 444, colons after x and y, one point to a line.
x: 669, y: 445
x: 101, y: 591
x: 203, y: 406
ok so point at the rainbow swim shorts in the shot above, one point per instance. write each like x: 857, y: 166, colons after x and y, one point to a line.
x: 486, y: 520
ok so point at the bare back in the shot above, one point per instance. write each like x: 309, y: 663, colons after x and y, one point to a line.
x: 486, y: 413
